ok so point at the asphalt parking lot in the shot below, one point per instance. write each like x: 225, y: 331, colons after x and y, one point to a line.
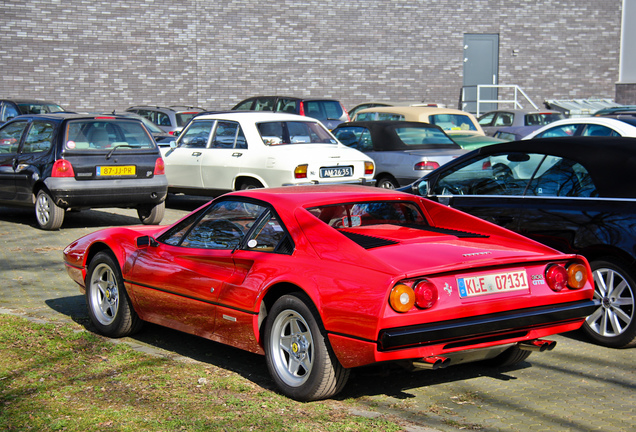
x: 577, y: 387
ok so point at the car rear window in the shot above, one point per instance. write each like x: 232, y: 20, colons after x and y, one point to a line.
x: 453, y: 122
x: 357, y: 214
x: 185, y: 117
x: 323, y: 110
x: 294, y: 132
x: 100, y: 134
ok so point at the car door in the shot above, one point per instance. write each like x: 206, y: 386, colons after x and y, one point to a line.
x: 33, y: 158
x: 222, y: 161
x: 183, y: 163
x: 10, y: 138
x: 178, y: 281
x: 490, y: 187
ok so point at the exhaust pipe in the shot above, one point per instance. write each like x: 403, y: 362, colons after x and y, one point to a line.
x: 433, y: 362
x: 537, y: 345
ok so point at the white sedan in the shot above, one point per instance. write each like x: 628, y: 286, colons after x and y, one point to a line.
x: 584, y: 126
x: 221, y: 152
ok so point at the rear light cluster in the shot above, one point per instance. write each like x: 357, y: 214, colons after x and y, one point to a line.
x: 571, y: 275
x: 426, y: 166
x: 160, y: 167
x: 421, y: 293
x: 368, y: 168
x: 301, y: 171
x: 62, y: 168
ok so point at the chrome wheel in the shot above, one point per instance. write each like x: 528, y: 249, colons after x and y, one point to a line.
x: 104, y: 294
x: 292, y: 348
x: 612, y: 324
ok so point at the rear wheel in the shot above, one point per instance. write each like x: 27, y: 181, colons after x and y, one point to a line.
x: 387, y: 183
x: 152, y: 215
x: 109, y: 307
x: 47, y: 213
x: 613, y: 323
x: 299, y: 357
x: 250, y: 184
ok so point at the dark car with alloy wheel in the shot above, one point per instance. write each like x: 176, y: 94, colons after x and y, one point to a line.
x: 574, y: 194
x: 57, y: 162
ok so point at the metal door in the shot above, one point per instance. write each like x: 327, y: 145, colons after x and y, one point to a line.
x: 481, y: 66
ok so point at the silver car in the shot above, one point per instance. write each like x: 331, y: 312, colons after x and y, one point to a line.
x: 402, y: 151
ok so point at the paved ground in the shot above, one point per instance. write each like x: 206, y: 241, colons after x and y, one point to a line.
x: 577, y: 387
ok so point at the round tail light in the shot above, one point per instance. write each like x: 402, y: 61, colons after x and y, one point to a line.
x: 577, y: 276
x: 425, y: 294
x: 557, y: 277
x: 402, y: 298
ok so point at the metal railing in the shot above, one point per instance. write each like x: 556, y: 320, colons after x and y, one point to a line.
x: 515, y: 99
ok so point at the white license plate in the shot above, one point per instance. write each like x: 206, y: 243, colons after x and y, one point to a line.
x: 330, y: 172
x: 493, y: 283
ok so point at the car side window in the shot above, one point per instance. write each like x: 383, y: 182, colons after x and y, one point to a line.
x: 39, y: 138
x: 355, y: 137
x: 150, y: 115
x: 486, y: 119
x: 559, y: 131
x: 561, y: 177
x: 599, y: 130
x: 286, y: 105
x: 197, y: 135
x: 10, y: 136
x: 163, y: 119
x: 228, y: 135
x: 504, y: 119
x: 268, y: 236
x: 498, y: 174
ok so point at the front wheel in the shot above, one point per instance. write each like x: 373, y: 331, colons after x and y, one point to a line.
x: 299, y: 357
x: 108, y: 305
x: 152, y: 215
x: 612, y: 324
x: 47, y: 213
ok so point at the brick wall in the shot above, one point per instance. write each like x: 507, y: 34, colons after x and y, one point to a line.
x: 94, y: 55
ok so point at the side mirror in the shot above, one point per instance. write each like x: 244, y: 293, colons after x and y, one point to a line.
x: 146, y: 241
x: 173, y: 144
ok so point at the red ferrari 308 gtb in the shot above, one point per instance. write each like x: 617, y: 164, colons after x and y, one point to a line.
x: 321, y: 279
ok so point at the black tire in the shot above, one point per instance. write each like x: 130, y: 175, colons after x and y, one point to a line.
x: 109, y: 307
x: 509, y: 357
x: 47, y: 213
x: 613, y: 324
x: 152, y: 215
x: 250, y: 184
x: 386, y: 182
x: 299, y: 357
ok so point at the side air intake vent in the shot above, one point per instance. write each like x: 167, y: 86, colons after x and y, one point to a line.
x: 366, y: 241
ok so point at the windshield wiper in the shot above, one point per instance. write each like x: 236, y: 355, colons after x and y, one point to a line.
x: 110, y: 153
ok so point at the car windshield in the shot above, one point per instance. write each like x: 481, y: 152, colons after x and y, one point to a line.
x: 453, y: 122
x: 294, y: 132
x: 358, y: 214
x: 35, y: 108
x: 100, y: 134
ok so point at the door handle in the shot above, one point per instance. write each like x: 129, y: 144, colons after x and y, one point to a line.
x: 237, y: 154
x: 196, y: 153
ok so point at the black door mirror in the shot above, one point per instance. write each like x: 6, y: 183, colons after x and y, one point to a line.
x: 146, y: 241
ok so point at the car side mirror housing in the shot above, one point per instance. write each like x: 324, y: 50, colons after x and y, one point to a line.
x: 146, y: 241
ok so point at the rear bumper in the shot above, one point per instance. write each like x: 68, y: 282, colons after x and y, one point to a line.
x: 68, y: 192
x: 482, y: 326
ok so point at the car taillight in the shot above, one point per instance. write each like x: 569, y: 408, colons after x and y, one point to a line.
x: 426, y: 166
x: 300, y: 172
x: 573, y: 276
x: 160, y: 167
x: 62, y: 168
x: 425, y: 294
x: 170, y: 132
x: 369, y: 168
x: 486, y: 165
x: 402, y: 298
x: 301, y: 108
